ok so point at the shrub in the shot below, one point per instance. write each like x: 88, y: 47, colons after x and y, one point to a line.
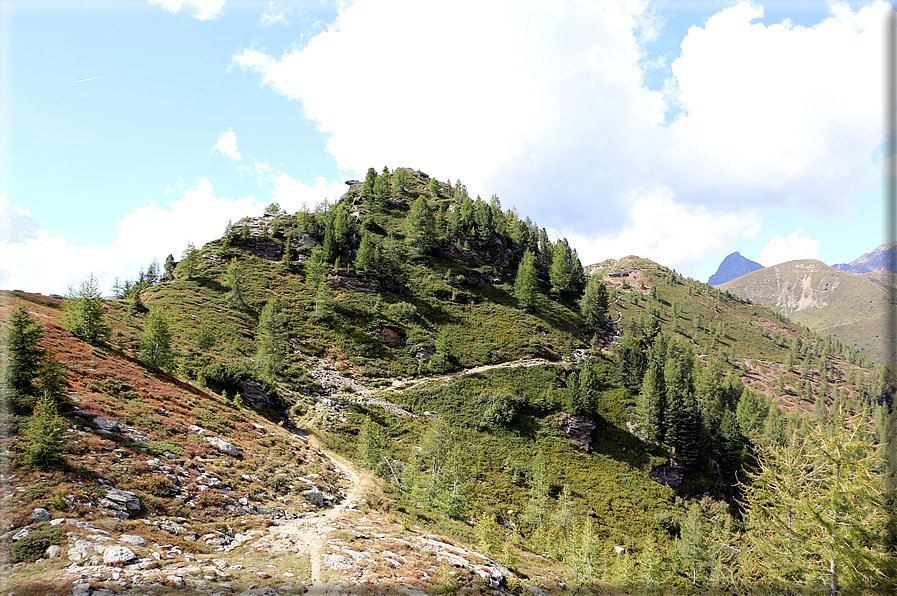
x: 34, y: 545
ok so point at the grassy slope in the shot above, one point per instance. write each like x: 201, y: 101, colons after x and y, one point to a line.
x: 849, y: 306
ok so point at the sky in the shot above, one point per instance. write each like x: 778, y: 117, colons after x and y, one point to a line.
x: 680, y: 131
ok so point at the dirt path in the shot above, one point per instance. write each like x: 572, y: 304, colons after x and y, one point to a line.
x: 399, y: 385
x: 308, y: 535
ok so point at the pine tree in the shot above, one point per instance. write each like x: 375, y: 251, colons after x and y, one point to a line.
x: 84, y: 313
x: 594, y: 303
x: 189, y: 258
x: 270, y: 339
x: 25, y: 357
x: 559, y: 274
x: 367, y: 190
x: 155, y: 346
x: 526, y: 284
x: 234, y: 279
x: 170, y: 265
x: 44, y: 435
x: 286, y: 261
x: 420, y: 227
x: 367, y: 258
x: 381, y: 188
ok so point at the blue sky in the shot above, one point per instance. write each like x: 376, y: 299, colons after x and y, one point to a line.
x: 679, y: 131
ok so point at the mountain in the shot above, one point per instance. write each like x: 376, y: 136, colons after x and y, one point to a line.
x: 850, y: 306
x: 882, y: 258
x: 732, y: 267
x: 362, y: 398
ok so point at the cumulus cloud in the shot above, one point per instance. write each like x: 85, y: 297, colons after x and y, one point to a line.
x: 227, y: 144
x: 545, y: 104
x: 779, y: 113
x: 275, y: 14
x: 32, y: 259
x: 203, y: 10
x: 666, y: 231
x: 780, y: 250
x: 16, y: 222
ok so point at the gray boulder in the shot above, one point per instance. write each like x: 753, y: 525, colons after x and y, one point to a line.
x: 106, y: 425
x: 135, y: 540
x: 314, y: 497
x: 40, y: 515
x: 117, y: 554
x: 122, y: 501
x: 81, y: 590
x: 223, y: 446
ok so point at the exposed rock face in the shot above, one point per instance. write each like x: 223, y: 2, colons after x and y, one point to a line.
x: 390, y: 337
x: 254, y: 395
x: 578, y: 429
x: 669, y: 474
x: 223, y: 446
x: 733, y: 267
x: 883, y: 257
x: 106, y: 425
x: 123, y: 503
x: 354, y: 283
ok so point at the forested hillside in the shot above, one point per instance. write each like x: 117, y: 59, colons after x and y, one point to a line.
x: 617, y: 428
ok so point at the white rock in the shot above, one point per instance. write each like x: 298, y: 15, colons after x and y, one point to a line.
x: 20, y: 534
x: 223, y: 446
x: 113, y: 555
x: 135, y: 540
x: 53, y: 551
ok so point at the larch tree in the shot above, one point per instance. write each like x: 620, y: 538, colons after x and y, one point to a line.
x: 270, y: 339
x: 190, y: 260
x: 815, y: 515
x: 155, y: 346
x: 526, y: 284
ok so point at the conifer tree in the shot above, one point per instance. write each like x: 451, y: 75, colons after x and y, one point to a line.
x: 594, y: 303
x: 526, y: 283
x: 234, y: 279
x: 420, y: 228
x: 367, y: 190
x: 190, y: 260
x: 84, y: 313
x: 693, y: 545
x: 381, y: 188
x: 155, y: 346
x: 44, y: 434
x: 270, y: 339
x: 814, y: 513
x: 559, y: 274
x: 286, y: 261
x: 170, y: 264
x: 367, y: 257
x: 25, y: 357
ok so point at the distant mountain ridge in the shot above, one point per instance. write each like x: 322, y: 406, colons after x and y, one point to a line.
x: 883, y: 258
x: 733, y: 267
x: 849, y: 306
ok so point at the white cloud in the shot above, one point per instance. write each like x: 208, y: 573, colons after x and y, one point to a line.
x: 203, y: 10
x: 544, y: 104
x: 779, y: 250
x: 39, y: 262
x: 293, y: 195
x: 227, y: 144
x: 665, y: 231
x: 779, y: 113
x: 16, y: 222
x: 275, y: 14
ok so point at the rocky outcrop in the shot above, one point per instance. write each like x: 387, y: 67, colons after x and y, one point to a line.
x: 668, y: 474
x: 354, y: 283
x: 254, y: 395
x: 578, y: 429
x: 390, y: 337
x: 123, y: 503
